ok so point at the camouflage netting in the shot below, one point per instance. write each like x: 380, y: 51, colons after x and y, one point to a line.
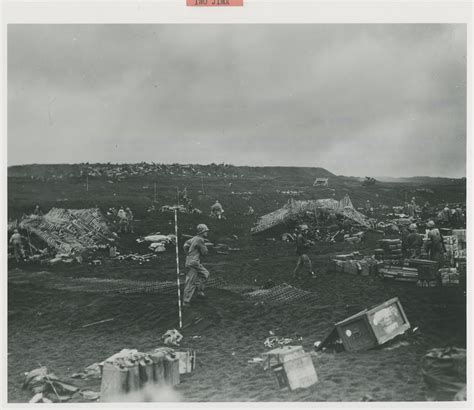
x: 68, y: 230
x: 281, y: 294
x: 100, y: 285
x: 294, y: 208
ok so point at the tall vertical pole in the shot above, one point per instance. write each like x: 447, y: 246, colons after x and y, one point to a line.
x: 202, y: 185
x: 177, y: 193
x: 87, y: 183
x: 177, y: 266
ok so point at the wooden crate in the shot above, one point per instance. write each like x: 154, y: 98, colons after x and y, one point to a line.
x: 114, y: 382
x: 298, y: 373
x: 373, y: 327
x: 171, y: 365
x: 280, y: 355
x: 187, y: 361
x: 158, y: 367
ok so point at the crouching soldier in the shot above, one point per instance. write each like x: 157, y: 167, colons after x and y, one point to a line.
x: 302, y: 246
x: 197, y: 275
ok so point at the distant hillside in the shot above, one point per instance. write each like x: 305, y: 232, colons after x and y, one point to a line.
x: 73, y: 170
x: 422, y: 180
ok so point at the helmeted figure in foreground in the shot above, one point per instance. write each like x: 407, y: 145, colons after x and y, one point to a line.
x: 303, y: 243
x: 197, y: 275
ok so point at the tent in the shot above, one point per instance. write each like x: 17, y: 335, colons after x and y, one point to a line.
x: 294, y: 208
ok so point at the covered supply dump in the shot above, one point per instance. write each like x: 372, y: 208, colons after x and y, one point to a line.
x: 68, y: 230
x: 294, y: 209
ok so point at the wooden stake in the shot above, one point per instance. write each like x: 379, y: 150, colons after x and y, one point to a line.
x: 177, y: 266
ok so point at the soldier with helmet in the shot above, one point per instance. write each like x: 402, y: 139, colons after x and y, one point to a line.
x: 414, y: 242
x: 303, y: 243
x: 16, y: 241
x: 197, y: 275
x: 435, y: 244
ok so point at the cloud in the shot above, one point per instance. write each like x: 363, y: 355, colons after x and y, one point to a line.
x: 356, y: 99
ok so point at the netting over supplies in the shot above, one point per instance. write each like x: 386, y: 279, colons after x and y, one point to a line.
x: 282, y: 293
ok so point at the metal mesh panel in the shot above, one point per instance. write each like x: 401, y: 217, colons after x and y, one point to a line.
x: 97, y: 285
x: 69, y: 230
x: 281, y: 294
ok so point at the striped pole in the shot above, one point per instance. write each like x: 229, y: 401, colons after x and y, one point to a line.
x: 177, y: 266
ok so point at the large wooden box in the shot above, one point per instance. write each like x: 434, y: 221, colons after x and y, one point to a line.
x: 373, y: 327
x: 171, y: 365
x: 297, y: 373
x: 280, y: 355
x: 187, y: 361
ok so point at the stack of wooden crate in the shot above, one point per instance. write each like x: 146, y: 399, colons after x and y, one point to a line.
x: 400, y: 273
x: 392, y: 250
x: 129, y: 371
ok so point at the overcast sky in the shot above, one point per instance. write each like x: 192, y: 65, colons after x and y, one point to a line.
x: 383, y: 100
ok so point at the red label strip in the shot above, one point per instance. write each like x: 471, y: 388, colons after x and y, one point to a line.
x: 214, y: 3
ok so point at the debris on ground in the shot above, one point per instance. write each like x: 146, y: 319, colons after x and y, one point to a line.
x: 89, y: 395
x: 172, y: 337
x: 394, y: 346
x: 444, y: 372
x: 367, y: 397
x: 273, y: 340
x: 136, y: 257
x: 159, y: 243
x: 90, y: 372
x: 181, y: 209
x: 255, y: 360
x: 47, y: 386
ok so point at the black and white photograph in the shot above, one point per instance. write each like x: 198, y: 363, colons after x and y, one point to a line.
x: 206, y: 213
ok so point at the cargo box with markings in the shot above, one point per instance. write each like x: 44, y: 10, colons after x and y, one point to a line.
x: 371, y: 327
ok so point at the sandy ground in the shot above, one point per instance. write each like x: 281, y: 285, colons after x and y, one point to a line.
x: 45, y: 324
x: 45, y: 328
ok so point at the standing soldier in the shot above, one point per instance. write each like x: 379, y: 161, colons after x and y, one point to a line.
x: 435, y: 244
x: 217, y: 210
x: 122, y: 220
x: 414, y: 242
x: 302, y: 246
x: 129, y: 215
x: 197, y: 275
x: 16, y: 241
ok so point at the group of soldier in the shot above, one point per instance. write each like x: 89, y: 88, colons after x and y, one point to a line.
x: 413, y: 245
x: 125, y: 220
x: 194, y: 248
